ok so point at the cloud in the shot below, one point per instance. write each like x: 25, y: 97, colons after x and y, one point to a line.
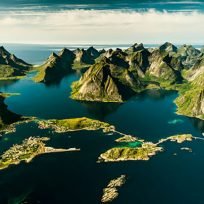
x: 101, y: 26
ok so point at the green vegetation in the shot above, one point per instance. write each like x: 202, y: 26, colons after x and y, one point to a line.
x: 75, y: 124
x: 191, y: 98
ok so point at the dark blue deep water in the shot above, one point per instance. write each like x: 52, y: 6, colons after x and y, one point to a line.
x: 75, y: 177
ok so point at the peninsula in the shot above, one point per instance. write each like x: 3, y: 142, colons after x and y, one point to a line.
x: 26, y: 151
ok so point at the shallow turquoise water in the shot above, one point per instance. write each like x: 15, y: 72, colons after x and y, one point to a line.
x: 76, y: 177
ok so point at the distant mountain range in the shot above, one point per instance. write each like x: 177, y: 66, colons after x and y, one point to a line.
x: 115, y: 75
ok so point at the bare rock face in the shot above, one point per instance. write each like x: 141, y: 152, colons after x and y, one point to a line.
x: 105, y: 81
x: 196, y: 70
x: 189, y: 55
x: 161, y: 67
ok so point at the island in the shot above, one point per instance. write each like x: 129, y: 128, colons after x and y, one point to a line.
x: 75, y: 124
x: 110, y: 192
x: 144, y: 152
x: 135, y: 149
x: 26, y: 151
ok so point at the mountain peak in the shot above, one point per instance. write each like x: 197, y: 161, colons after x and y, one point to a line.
x: 136, y: 47
x: 169, y: 47
x: 65, y: 52
x: 93, y: 52
x: 3, y: 51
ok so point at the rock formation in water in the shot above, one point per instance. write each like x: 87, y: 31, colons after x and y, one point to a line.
x: 11, y: 66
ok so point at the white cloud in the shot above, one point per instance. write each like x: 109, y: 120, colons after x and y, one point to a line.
x: 101, y: 26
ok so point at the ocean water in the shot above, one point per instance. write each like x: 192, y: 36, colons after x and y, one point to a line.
x: 75, y: 177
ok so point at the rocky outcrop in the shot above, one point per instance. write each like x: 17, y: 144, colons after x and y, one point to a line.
x: 196, y: 70
x: 110, y: 193
x: 188, y: 55
x: 109, y: 80
x: 161, y: 67
x: 10, y: 65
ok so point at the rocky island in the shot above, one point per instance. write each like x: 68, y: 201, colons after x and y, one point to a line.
x: 26, y: 151
x: 116, y: 154
x: 110, y: 193
x: 142, y: 151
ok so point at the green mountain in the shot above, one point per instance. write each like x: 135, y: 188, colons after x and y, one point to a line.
x: 11, y: 66
x: 55, y: 67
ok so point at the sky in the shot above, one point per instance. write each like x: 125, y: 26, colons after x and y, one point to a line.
x: 101, y: 21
